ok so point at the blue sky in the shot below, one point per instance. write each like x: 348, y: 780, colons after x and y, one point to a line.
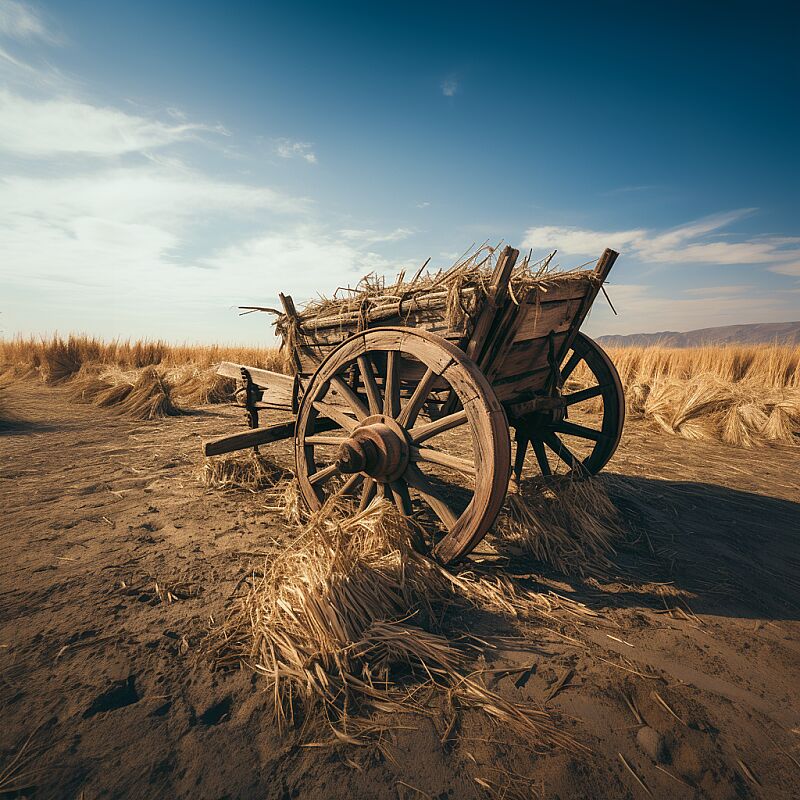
x: 162, y: 163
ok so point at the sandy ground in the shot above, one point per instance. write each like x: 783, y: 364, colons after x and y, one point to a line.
x: 105, y: 688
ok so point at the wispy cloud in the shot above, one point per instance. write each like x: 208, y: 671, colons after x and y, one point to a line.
x: 698, y: 242
x: 22, y: 22
x: 288, y: 148
x: 423, y: 204
x: 60, y: 125
x: 450, y: 87
x: 368, y: 236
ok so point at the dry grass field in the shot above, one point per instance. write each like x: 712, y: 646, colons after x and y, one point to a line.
x: 171, y: 626
x: 742, y: 395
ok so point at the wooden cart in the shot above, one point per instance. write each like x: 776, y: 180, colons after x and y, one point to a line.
x: 393, y: 401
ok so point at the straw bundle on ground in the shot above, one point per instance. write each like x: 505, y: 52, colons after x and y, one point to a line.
x: 60, y: 359
x: 707, y: 407
x: 249, y: 470
x: 347, y: 621
x: 570, y: 524
x: 203, y: 387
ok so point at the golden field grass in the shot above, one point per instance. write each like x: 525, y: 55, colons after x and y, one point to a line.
x: 743, y: 395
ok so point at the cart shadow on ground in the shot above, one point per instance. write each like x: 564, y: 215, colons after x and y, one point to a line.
x: 726, y: 552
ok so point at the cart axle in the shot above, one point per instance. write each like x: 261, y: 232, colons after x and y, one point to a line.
x: 379, y: 447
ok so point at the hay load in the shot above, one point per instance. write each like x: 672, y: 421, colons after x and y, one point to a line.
x: 447, y: 301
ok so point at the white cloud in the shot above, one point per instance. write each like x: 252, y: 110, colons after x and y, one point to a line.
x: 60, y: 125
x: 787, y: 268
x: 22, y: 22
x: 698, y: 242
x: 423, y: 204
x: 368, y: 236
x: 449, y: 87
x: 303, y: 261
x: 288, y: 148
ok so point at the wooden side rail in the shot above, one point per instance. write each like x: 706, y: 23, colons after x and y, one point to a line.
x: 249, y: 438
x: 279, y: 389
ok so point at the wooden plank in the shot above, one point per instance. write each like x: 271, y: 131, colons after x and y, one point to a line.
x: 523, y: 384
x: 278, y: 388
x: 599, y: 273
x: 291, y: 312
x: 572, y: 289
x: 249, y: 438
x: 528, y: 355
x: 494, y: 299
x: 538, y: 321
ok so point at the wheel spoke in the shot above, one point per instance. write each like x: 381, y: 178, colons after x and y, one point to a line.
x: 519, y: 458
x: 431, y: 429
x: 541, y: 456
x: 322, y: 475
x: 584, y: 394
x: 349, y: 485
x: 352, y: 399
x: 431, y: 456
x: 367, y: 493
x: 402, y: 499
x: 320, y: 439
x: 577, y: 430
x: 336, y: 414
x: 569, y: 367
x: 370, y: 386
x: 417, y: 480
x: 408, y: 416
x: 391, y: 389
x: 561, y: 450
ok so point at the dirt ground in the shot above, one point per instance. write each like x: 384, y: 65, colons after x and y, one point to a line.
x: 105, y: 690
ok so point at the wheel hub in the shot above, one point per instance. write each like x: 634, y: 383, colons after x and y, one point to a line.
x: 378, y: 447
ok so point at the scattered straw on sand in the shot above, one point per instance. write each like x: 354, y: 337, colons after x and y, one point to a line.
x: 244, y: 470
x: 569, y: 523
x: 347, y: 621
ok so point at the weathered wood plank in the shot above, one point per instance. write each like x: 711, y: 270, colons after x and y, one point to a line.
x: 539, y: 320
x: 527, y: 356
x: 278, y: 388
x: 249, y: 438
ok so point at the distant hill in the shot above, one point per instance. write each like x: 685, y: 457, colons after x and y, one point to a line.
x: 759, y: 333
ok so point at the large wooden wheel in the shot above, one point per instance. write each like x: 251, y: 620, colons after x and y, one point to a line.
x: 582, y: 434
x: 382, y: 392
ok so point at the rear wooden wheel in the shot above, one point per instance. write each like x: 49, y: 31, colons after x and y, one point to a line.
x: 384, y: 389
x: 582, y: 437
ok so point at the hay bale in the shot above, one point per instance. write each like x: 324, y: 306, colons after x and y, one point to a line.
x: 347, y: 614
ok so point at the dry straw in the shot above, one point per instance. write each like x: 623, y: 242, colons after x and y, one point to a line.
x: 746, y: 396
x: 250, y: 471
x: 569, y: 523
x: 346, y: 626
x: 452, y: 295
